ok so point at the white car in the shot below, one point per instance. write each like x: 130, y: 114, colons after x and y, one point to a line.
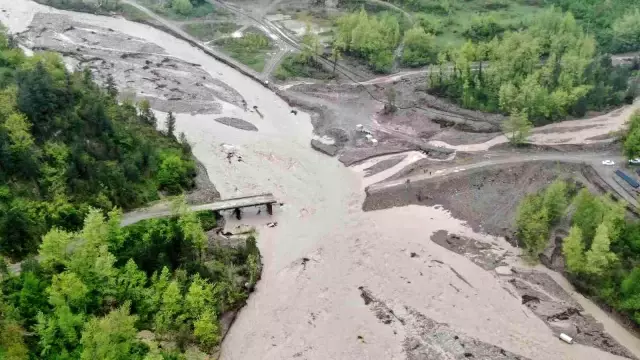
x: 635, y: 161
x: 608, y: 162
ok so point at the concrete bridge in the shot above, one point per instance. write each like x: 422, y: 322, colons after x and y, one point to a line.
x: 235, y: 204
x: 163, y: 210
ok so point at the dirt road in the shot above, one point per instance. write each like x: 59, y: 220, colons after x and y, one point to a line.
x: 595, y: 160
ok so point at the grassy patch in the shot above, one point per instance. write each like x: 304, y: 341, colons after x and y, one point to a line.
x: 210, y: 31
x: 322, y: 19
x: 132, y: 13
x: 203, y: 11
x: 291, y: 67
x: 250, y: 49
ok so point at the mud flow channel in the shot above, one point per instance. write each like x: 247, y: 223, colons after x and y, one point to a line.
x: 325, y: 249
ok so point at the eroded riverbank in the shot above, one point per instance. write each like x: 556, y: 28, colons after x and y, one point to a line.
x: 325, y: 250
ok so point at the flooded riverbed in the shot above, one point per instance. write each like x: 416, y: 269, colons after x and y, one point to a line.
x: 309, y: 303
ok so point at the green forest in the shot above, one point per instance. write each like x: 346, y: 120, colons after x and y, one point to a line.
x: 66, y: 145
x: 552, y: 66
x: 71, y: 159
x: 154, y: 290
x: 544, y: 73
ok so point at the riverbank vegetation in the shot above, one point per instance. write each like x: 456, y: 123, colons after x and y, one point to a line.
x: 210, y: 31
x: 536, y: 215
x: 306, y: 63
x: 182, y: 9
x: 601, y: 250
x: 250, y: 49
x: 153, y: 290
x: 297, y: 66
x: 67, y: 145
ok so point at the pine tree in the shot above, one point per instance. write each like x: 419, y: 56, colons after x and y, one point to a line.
x: 171, y: 124
x: 517, y: 127
x: 146, y: 114
x: 111, y: 87
x: 185, y: 143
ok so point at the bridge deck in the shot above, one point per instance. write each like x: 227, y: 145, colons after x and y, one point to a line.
x: 227, y: 204
x: 237, y: 203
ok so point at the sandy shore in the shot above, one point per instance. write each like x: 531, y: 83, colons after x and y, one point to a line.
x: 309, y: 303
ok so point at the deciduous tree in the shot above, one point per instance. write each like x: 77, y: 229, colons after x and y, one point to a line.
x: 206, y: 330
x: 573, y: 250
x: 182, y: 7
x: 419, y: 47
x: 626, y: 31
x: 111, y: 338
x: 555, y: 200
x: 599, y: 257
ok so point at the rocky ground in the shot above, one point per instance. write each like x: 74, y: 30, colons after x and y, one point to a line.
x: 142, y: 70
x: 537, y: 290
x: 383, y: 165
x: 485, y: 198
x: 426, y: 339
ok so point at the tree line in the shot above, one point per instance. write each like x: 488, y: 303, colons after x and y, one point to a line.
x: 615, y: 24
x: 153, y: 290
x: 544, y: 73
x: 602, y: 248
x: 66, y: 145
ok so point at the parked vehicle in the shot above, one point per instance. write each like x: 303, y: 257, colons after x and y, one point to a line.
x: 631, y: 181
x: 635, y: 161
x: 608, y: 162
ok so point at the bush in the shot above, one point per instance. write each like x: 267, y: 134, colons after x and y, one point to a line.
x: 537, y: 213
x: 207, y: 219
x: 175, y: 173
x: 419, y: 48
x: 294, y: 66
x: 182, y: 7
x: 483, y: 28
x: 250, y: 49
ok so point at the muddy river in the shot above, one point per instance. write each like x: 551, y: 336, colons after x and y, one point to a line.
x: 309, y: 303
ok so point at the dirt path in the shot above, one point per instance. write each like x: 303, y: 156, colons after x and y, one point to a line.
x: 274, y: 61
x: 393, y: 7
x: 593, y: 159
x: 585, y: 131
